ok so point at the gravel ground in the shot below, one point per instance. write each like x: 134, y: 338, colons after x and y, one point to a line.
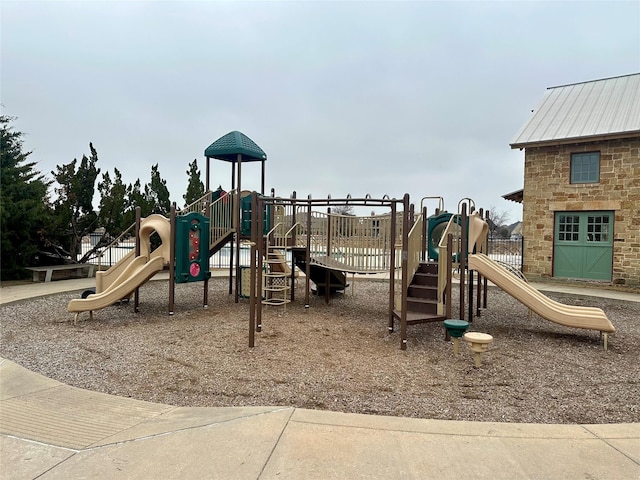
x: 334, y: 357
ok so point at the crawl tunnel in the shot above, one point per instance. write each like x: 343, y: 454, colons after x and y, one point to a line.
x: 436, y: 226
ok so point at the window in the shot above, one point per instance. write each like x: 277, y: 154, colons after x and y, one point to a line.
x: 585, y: 167
x: 568, y: 228
x: 598, y: 228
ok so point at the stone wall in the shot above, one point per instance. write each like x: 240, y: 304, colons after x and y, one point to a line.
x: 547, y: 189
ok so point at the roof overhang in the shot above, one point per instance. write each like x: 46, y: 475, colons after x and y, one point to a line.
x: 514, y: 196
x: 576, y: 140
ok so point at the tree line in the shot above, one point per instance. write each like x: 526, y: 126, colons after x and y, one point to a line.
x: 43, y: 221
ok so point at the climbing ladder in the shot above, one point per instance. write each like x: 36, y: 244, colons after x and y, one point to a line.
x: 276, y: 285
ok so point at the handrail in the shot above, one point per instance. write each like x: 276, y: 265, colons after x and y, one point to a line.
x: 112, y: 244
x: 221, y: 217
x: 470, y: 202
x: 414, y: 247
x: 296, y: 225
x: 273, y: 229
x: 440, y: 203
x: 453, y: 227
x: 197, y: 205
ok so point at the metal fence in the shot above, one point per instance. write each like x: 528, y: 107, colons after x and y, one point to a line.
x: 506, y: 250
x: 114, y: 254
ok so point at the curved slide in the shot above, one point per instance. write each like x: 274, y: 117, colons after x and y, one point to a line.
x: 567, y: 315
x: 131, y: 272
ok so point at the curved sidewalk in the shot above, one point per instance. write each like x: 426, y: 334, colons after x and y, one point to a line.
x: 49, y: 430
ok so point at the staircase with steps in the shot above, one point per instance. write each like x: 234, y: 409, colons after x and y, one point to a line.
x: 422, y: 296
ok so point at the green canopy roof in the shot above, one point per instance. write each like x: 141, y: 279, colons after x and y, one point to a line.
x: 233, y: 143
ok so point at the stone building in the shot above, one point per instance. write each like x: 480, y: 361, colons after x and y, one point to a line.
x: 581, y: 195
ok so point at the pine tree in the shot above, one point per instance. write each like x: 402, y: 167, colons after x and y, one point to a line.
x: 195, y: 188
x: 113, y: 203
x: 24, y: 210
x: 135, y: 198
x: 157, y: 193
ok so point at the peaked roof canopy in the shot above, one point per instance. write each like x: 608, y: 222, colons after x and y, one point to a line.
x: 233, y: 143
x: 607, y: 108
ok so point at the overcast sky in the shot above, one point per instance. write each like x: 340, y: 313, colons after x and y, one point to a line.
x: 344, y: 97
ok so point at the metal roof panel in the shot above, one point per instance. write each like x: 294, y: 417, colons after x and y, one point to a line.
x: 610, y: 106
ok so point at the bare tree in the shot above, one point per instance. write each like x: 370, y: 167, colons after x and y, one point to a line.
x: 497, y: 218
x: 343, y: 210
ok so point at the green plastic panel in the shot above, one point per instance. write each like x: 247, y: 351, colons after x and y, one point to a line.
x: 192, y: 248
x: 245, y: 217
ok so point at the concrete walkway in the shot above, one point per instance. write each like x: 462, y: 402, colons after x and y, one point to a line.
x: 49, y: 430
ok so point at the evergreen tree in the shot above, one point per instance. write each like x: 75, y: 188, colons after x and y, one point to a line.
x: 113, y: 204
x: 24, y: 210
x: 135, y: 198
x: 73, y: 208
x: 157, y: 193
x: 195, y: 188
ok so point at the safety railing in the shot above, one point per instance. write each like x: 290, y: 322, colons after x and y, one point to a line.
x: 414, y: 247
x: 198, y: 206
x: 506, y: 250
x: 108, y: 250
x: 454, y: 228
x: 222, y: 220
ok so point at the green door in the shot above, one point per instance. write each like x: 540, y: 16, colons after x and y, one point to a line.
x: 583, y: 245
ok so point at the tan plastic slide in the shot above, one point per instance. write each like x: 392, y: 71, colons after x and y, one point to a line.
x: 567, y: 315
x: 279, y: 263
x: 131, y: 272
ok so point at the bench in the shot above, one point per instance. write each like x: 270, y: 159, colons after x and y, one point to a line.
x: 52, y: 268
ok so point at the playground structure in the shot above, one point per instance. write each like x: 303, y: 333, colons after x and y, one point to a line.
x: 418, y: 251
x: 567, y: 315
x: 178, y: 251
